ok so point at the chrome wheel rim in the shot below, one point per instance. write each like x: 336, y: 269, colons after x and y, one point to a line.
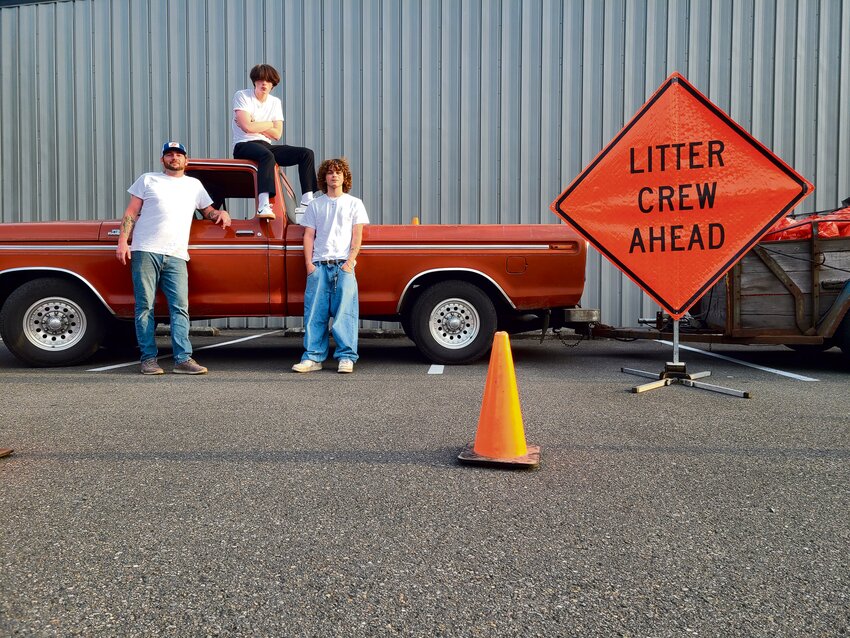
x: 454, y: 323
x: 54, y: 323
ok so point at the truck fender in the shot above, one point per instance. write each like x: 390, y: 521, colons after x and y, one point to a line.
x: 64, y: 271
x: 447, y: 274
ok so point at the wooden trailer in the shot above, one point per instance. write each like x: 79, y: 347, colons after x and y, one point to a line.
x: 795, y: 293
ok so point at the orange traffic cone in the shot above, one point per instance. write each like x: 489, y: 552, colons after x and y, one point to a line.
x: 500, y: 439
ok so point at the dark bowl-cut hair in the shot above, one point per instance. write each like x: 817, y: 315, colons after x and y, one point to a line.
x: 265, y: 72
x: 340, y: 164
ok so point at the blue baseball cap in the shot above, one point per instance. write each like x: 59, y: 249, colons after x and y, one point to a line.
x: 174, y: 146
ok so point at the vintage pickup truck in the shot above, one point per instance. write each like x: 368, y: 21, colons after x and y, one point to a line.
x: 64, y: 295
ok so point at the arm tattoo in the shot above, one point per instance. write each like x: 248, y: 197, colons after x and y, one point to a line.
x: 127, y: 225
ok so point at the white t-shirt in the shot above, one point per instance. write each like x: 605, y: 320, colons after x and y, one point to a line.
x: 269, y: 111
x: 168, y: 209
x: 333, y: 221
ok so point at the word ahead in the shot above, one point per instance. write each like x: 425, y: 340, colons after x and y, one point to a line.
x: 676, y: 157
x: 676, y: 238
x: 679, y: 195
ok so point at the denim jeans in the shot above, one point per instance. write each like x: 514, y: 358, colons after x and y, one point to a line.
x: 171, y: 275
x: 331, y: 292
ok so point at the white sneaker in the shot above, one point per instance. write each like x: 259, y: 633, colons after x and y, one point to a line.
x: 307, y: 365
x: 265, y: 212
x: 345, y: 366
x: 306, y: 199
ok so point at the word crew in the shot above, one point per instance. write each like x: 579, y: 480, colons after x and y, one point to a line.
x: 679, y: 197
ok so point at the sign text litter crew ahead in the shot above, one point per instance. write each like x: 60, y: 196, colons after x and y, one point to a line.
x: 673, y: 158
x: 679, y: 195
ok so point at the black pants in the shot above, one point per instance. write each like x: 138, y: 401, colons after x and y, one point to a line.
x: 267, y: 156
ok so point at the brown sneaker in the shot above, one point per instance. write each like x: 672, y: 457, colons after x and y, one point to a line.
x: 189, y: 366
x: 150, y: 366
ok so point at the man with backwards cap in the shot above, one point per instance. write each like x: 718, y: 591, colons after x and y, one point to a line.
x: 159, y: 217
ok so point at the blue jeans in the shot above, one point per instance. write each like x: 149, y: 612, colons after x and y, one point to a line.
x: 171, y: 275
x: 331, y: 292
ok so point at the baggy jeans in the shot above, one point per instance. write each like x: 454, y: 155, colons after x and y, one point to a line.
x: 331, y: 292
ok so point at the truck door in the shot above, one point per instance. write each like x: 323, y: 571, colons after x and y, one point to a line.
x: 229, y: 269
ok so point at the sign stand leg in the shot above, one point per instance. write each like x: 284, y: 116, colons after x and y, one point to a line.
x: 676, y: 372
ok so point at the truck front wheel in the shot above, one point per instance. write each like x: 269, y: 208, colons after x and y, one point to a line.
x: 51, y: 322
x: 453, y: 322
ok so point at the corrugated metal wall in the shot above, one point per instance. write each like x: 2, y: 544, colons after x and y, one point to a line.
x: 457, y: 111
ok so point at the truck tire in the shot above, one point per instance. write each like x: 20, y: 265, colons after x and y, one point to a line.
x: 120, y: 336
x: 405, y: 322
x: 51, y: 322
x: 453, y: 322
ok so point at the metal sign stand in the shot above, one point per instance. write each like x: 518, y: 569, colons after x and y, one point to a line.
x: 676, y: 372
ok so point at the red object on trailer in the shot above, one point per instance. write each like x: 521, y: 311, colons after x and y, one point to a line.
x: 836, y: 224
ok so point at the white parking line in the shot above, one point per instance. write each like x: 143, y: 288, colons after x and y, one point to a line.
x: 436, y: 369
x: 215, y: 345
x: 798, y: 377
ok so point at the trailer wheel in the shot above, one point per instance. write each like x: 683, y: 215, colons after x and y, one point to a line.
x: 51, y: 322
x: 810, y: 349
x: 453, y: 322
x: 842, y: 337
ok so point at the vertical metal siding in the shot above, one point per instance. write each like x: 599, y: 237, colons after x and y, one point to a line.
x: 470, y: 111
x: 489, y: 116
x: 470, y: 94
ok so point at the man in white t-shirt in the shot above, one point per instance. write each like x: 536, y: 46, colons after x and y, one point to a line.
x: 159, y: 217
x: 333, y: 232
x: 257, y: 121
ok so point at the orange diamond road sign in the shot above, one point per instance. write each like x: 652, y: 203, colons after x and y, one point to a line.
x: 678, y: 197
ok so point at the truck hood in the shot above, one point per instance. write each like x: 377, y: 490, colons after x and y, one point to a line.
x: 41, y: 232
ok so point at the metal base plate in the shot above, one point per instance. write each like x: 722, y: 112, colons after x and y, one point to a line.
x: 529, y: 461
x: 668, y: 377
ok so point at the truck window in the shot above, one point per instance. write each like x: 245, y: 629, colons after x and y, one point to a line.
x: 231, y: 189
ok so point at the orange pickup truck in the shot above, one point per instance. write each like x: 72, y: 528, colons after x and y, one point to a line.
x: 64, y: 295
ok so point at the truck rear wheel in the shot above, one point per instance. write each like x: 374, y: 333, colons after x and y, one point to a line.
x: 51, y: 322
x: 453, y: 322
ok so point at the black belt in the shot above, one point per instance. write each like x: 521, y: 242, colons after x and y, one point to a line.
x: 333, y: 262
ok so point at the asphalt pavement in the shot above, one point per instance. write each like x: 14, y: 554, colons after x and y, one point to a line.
x: 257, y: 502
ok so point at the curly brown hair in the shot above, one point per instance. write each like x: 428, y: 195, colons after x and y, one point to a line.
x: 265, y: 72
x: 340, y: 165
